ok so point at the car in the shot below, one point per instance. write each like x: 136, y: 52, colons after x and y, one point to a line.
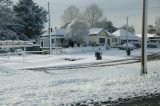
x: 124, y: 46
x: 19, y: 51
x: 4, y: 50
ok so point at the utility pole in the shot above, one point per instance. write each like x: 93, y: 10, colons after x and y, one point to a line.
x: 144, y: 38
x: 55, y: 38
x: 49, y: 30
x: 127, y: 33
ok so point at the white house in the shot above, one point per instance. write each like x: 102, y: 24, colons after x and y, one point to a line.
x: 123, y: 35
x: 152, y: 39
x: 101, y: 36
x: 57, y: 37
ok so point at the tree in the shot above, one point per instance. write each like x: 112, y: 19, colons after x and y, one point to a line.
x: 93, y: 14
x: 154, y: 29
x: 9, y: 25
x: 130, y: 28
x: 157, y: 25
x: 77, y: 32
x: 151, y: 29
x: 71, y: 13
x: 33, y: 17
x: 108, y: 25
x: 5, y: 12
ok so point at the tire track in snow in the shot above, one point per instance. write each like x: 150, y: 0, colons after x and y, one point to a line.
x: 151, y: 57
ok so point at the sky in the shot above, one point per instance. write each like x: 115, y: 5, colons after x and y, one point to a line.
x: 115, y: 10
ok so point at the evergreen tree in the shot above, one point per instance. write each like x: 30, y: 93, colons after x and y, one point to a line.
x: 130, y: 28
x: 33, y: 17
x: 9, y: 25
x: 108, y: 25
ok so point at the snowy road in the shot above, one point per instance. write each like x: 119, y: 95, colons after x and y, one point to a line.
x: 21, y: 87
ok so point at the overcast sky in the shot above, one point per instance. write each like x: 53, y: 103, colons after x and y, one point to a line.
x: 114, y: 10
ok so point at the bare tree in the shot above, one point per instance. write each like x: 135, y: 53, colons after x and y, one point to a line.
x: 151, y: 29
x: 154, y: 29
x: 157, y: 25
x: 77, y: 32
x: 71, y: 13
x: 93, y: 14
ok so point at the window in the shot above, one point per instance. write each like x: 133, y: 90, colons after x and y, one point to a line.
x: 52, y: 40
x: 101, y: 40
x: 114, y: 40
x: 41, y: 43
x: 62, y: 40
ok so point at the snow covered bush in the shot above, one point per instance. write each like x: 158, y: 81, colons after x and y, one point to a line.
x: 77, y: 32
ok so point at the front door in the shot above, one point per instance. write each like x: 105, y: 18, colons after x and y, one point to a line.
x: 41, y: 43
x: 108, y: 42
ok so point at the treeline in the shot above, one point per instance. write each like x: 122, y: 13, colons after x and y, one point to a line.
x: 93, y: 16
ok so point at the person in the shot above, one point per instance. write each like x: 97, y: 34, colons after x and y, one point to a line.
x: 128, y: 51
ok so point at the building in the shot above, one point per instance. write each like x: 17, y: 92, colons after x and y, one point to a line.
x: 57, y: 37
x: 123, y: 35
x: 152, y: 39
x: 100, y: 36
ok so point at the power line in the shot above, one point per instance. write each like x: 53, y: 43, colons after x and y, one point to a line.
x: 115, y: 9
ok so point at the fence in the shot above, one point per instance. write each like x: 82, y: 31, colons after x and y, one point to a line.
x: 83, y: 49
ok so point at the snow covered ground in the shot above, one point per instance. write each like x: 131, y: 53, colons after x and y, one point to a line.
x: 21, y: 87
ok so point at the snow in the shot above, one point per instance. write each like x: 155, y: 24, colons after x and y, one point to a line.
x: 93, y: 31
x: 23, y: 87
x: 122, y: 33
x: 148, y: 35
x: 56, y: 32
x: 59, y: 31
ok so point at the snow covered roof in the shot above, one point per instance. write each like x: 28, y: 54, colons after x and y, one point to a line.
x: 93, y: 31
x: 148, y: 35
x: 59, y: 31
x: 122, y: 33
x: 56, y: 32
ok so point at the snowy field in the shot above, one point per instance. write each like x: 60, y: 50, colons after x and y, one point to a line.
x: 22, y: 87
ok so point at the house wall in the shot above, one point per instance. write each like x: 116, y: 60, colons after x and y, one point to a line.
x: 111, y: 41
x: 154, y: 39
x: 95, y: 38
x: 59, y: 42
x: 114, y: 41
x: 44, y: 42
x: 55, y: 43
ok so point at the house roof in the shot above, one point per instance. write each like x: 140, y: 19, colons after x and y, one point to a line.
x: 94, y: 31
x: 122, y: 33
x: 148, y: 35
x: 59, y: 31
x: 56, y: 32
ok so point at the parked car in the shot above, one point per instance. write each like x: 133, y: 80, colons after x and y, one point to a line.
x: 4, y: 50
x: 19, y: 51
x: 152, y: 45
x: 124, y: 46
